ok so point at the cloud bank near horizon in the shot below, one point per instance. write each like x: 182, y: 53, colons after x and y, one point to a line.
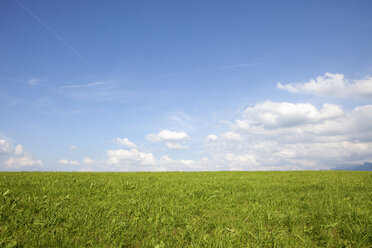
x: 267, y: 135
x: 17, y: 158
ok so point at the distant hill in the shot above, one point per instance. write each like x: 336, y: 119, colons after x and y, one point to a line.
x: 364, y: 167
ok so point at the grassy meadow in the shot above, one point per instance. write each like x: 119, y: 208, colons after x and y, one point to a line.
x: 186, y: 209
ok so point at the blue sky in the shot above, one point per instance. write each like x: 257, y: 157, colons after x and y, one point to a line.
x: 184, y: 85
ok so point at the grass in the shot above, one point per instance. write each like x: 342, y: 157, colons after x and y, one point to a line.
x: 179, y: 209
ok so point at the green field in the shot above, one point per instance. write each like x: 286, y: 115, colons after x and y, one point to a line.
x: 186, y: 209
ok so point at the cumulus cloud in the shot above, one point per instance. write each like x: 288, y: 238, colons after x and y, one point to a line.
x: 129, y: 159
x: 26, y: 160
x: 211, y: 138
x: 231, y: 136
x: 271, y: 115
x: 239, y: 162
x: 266, y: 136
x: 173, y: 145
x: 173, y: 140
x: 125, y: 142
x: 328, y: 123
x: 70, y: 162
x: 17, y: 158
x: 5, y: 147
x: 287, y: 136
x: 166, y: 135
x: 335, y: 85
x: 137, y: 160
x: 18, y: 150
x: 88, y: 160
x: 166, y: 163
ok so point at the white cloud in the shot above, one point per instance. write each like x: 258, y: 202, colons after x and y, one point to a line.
x: 65, y: 161
x: 88, y: 160
x: 88, y: 85
x: 5, y: 147
x: 182, y: 120
x: 180, y: 117
x: 271, y: 115
x: 168, y: 164
x: 287, y: 136
x: 173, y: 140
x: 72, y: 147
x: 239, y: 66
x: 23, y: 161
x: 125, y: 142
x: 334, y: 85
x: 266, y: 136
x: 18, y: 150
x: 239, y: 162
x: 87, y: 169
x: 174, y: 145
x: 129, y: 157
x: 166, y: 135
x: 35, y: 81
x: 231, y: 136
x: 136, y: 160
x: 17, y: 158
x: 328, y: 124
x: 95, y: 91
x: 62, y: 161
x: 211, y: 138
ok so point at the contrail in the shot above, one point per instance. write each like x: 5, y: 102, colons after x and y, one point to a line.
x: 52, y: 31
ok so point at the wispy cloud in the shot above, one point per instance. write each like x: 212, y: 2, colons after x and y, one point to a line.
x: 220, y: 68
x: 46, y: 105
x: 35, y: 81
x: 96, y: 91
x: 181, y: 119
x: 237, y: 66
x: 104, y: 91
x: 72, y: 147
x: 55, y: 34
x: 8, y: 100
x: 89, y: 85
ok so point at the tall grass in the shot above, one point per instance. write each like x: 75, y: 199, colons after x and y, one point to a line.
x: 178, y: 209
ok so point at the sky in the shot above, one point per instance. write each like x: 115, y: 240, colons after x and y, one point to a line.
x: 185, y: 85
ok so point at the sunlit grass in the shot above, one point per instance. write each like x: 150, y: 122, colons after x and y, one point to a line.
x: 200, y: 209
